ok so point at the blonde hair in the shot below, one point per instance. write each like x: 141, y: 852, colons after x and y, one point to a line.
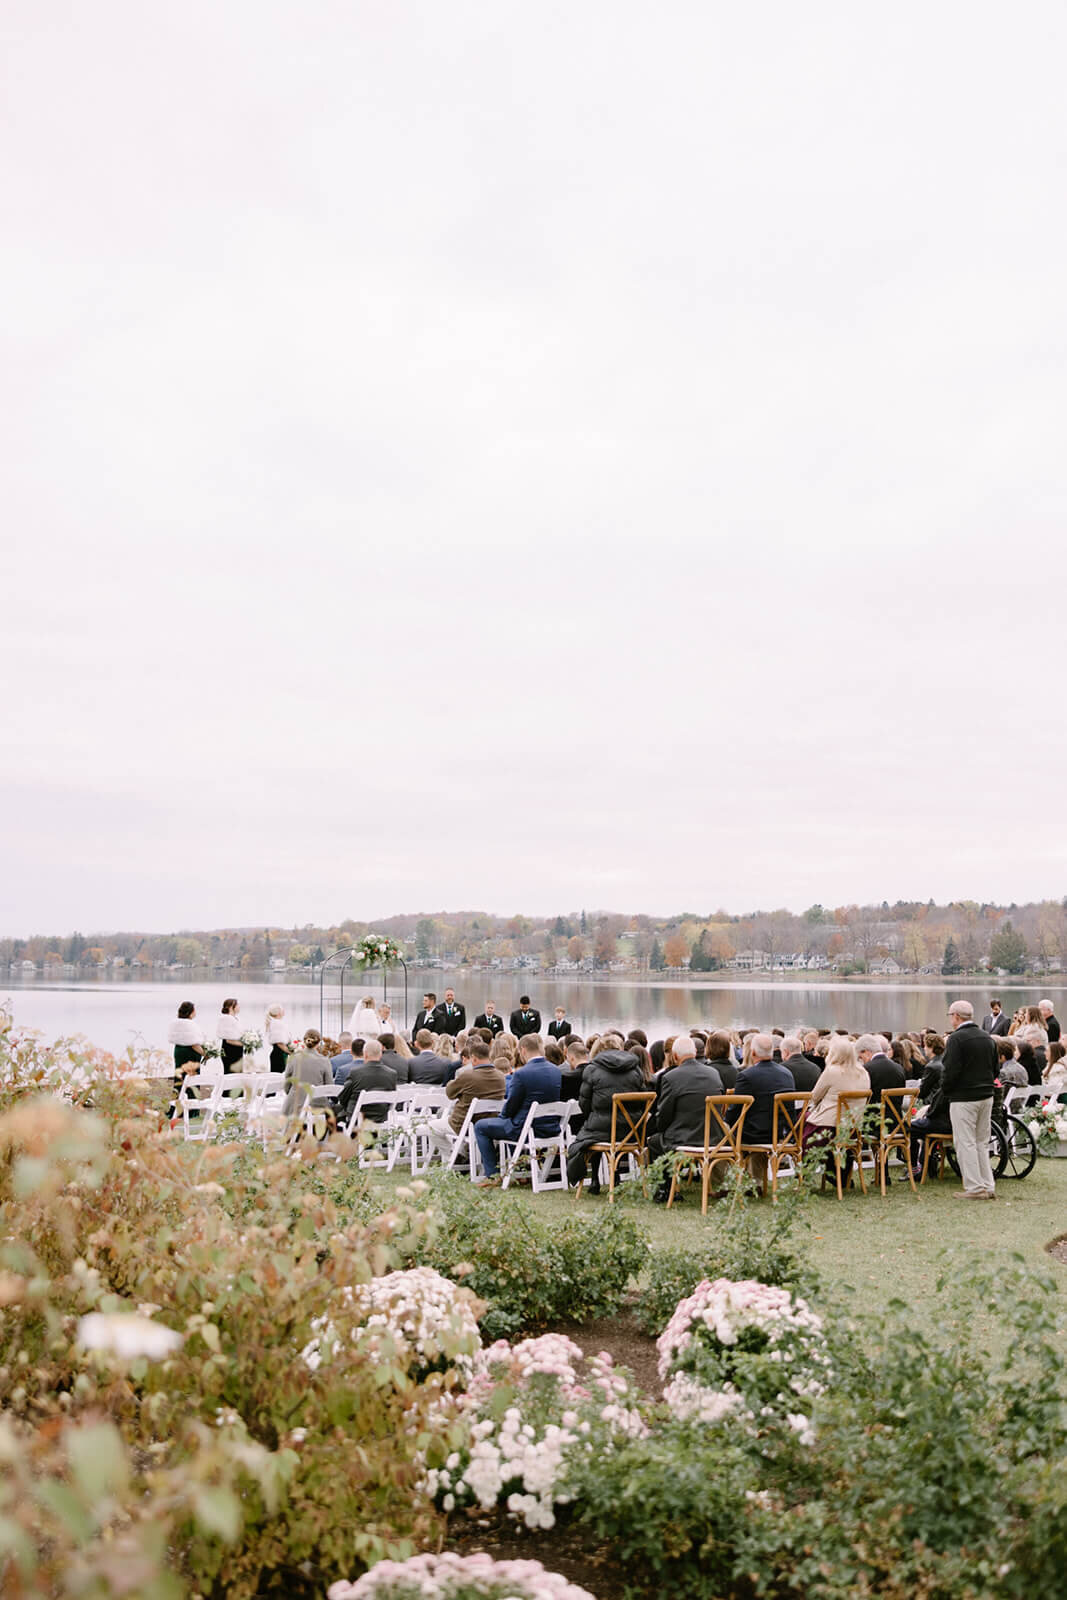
x: 841, y: 1053
x: 444, y: 1047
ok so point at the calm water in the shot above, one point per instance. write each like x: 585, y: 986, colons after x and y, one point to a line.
x: 112, y: 1012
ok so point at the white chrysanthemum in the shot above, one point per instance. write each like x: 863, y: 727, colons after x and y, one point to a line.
x: 127, y: 1335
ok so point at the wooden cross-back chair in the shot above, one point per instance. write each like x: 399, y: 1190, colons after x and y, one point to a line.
x: 787, y: 1137
x: 894, y: 1131
x: 629, y: 1132
x: 722, y: 1143
x: 848, y: 1138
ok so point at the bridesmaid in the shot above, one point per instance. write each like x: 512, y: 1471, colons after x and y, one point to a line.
x: 185, y: 1035
x: 276, y: 1037
x: 228, y: 1034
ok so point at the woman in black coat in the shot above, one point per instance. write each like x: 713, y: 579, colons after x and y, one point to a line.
x: 610, y: 1073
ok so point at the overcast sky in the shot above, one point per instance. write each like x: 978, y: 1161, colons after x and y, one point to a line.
x: 526, y: 456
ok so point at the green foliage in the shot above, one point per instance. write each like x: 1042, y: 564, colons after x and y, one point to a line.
x: 950, y: 960
x: 1008, y: 950
x: 531, y: 1271
x: 932, y: 1471
x: 744, y: 1240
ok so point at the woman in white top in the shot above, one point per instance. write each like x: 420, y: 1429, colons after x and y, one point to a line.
x: 185, y: 1035
x: 366, y: 1023
x: 228, y: 1033
x: 276, y: 1038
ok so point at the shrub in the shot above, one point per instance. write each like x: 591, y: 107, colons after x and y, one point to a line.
x: 452, y: 1577
x: 530, y: 1270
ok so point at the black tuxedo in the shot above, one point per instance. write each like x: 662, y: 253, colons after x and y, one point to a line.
x: 429, y: 1019
x: 453, y: 1018
x: 997, y: 1026
x: 559, y: 1030
x: 495, y: 1023
x: 522, y: 1022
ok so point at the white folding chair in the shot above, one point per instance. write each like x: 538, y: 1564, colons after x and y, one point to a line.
x: 464, y: 1140
x: 266, y: 1101
x: 317, y: 1098
x: 371, y: 1153
x: 545, y: 1151
x: 1031, y: 1096
x: 196, y: 1103
x: 409, y: 1134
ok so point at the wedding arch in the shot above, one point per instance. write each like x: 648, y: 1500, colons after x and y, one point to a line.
x: 375, y: 953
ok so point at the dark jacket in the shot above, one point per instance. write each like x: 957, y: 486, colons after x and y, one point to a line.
x: 805, y: 1072
x: 427, y: 1067
x: 495, y: 1023
x: 610, y: 1073
x: 727, y: 1071
x: 969, y: 1064
x: 367, y: 1075
x: 429, y: 1019
x: 998, y: 1026
x: 520, y: 1023
x: 678, y: 1114
x: 884, y: 1073
x: 1052, y: 1028
x: 559, y: 1030
x: 764, y: 1079
x: 399, y: 1064
x: 536, y: 1080
x: 453, y: 1018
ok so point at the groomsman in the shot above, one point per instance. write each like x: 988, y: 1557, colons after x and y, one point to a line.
x: 430, y: 1016
x: 996, y: 1021
x: 453, y: 1015
x: 490, y: 1018
x: 560, y: 1028
x: 526, y: 1019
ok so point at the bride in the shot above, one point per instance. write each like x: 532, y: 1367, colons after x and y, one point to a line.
x: 365, y: 1022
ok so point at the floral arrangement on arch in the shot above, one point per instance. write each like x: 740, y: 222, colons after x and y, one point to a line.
x: 1048, y: 1124
x: 452, y: 1577
x: 747, y: 1353
x: 376, y: 951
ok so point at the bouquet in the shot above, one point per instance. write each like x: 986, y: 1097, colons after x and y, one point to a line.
x: 376, y: 951
x: 210, y: 1051
x: 251, y: 1042
x: 1048, y: 1124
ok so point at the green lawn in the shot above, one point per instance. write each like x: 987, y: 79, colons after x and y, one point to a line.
x: 881, y: 1248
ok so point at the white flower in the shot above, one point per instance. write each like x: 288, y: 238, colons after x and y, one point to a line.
x: 127, y: 1335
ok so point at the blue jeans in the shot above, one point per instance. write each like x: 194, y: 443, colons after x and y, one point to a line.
x: 486, y: 1133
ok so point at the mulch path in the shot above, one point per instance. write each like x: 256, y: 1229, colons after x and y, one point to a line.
x: 567, y: 1548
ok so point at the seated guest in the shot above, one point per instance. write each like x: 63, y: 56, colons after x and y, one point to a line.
x: 719, y: 1053
x: 644, y: 1060
x: 304, y: 1069
x: 932, y: 1117
x: 554, y: 1054
x: 842, y: 1074
x: 930, y: 1081
x: 609, y: 1072
x: 882, y: 1072
x: 345, y: 1057
x: 536, y: 1079
x: 1028, y: 1060
x: 479, y: 1080
x: 392, y: 1058
x: 1012, y: 1073
x: 1054, y: 1077
x: 576, y: 1055
x: 763, y: 1080
x: 678, y: 1114
x: 640, y: 1035
x: 805, y: 1072
x: 809, y: 1040
x: 370, y: 1073
x: 657, y: 1055
x: 426, y: 1066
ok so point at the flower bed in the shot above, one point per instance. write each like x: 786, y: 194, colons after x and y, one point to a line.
x: 417, y: 1318
x: 1048, y: 1124
x: 453, y: 1577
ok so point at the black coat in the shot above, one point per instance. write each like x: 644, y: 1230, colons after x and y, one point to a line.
x: 495, y: 1023
x: 998, y: 1026
x: 727, y: 1071
x: 519, y: 1028
x: 428, y: 1019
x: 884, y: 1073
x: 365, y: 1075
x: 678, y: 1114
x: 559, y: 1030
x: 969, y: 1064
x: 763, y: 1079
x: 453, y: 1020
x: 805, y: 1073
x: 1052, y: 1028
x: 612, y: 1072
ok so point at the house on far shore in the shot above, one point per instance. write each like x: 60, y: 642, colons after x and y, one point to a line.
x: 278, y: 963
x: 886, y: 967
x: 24, y: 966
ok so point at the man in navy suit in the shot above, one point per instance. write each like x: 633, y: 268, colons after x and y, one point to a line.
x: 536, y: 1079
x: 763, y: 1079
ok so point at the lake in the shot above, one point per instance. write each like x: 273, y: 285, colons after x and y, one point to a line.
x: 113, y: 1011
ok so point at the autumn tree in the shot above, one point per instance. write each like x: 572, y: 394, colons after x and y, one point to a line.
x: 675, y: 951
x: 576, y: 949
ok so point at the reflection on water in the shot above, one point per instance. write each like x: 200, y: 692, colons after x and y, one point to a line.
x: 114, y: 1012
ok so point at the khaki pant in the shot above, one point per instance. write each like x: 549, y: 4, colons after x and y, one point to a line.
x: 970, y: 1134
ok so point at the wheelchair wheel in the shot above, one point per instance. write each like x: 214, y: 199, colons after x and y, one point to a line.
x: 1020, y: 1150
x: 998, y: 1153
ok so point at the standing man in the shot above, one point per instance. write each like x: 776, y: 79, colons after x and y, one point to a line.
x: 995, y: 1021
x: 968, y: 1069
x: 453, y: 1015
x: 491, y: 1019
x: 430, y: 1015
x: 1051, y: 1021
x: 525, y: 1020
x: 561, y: 1028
